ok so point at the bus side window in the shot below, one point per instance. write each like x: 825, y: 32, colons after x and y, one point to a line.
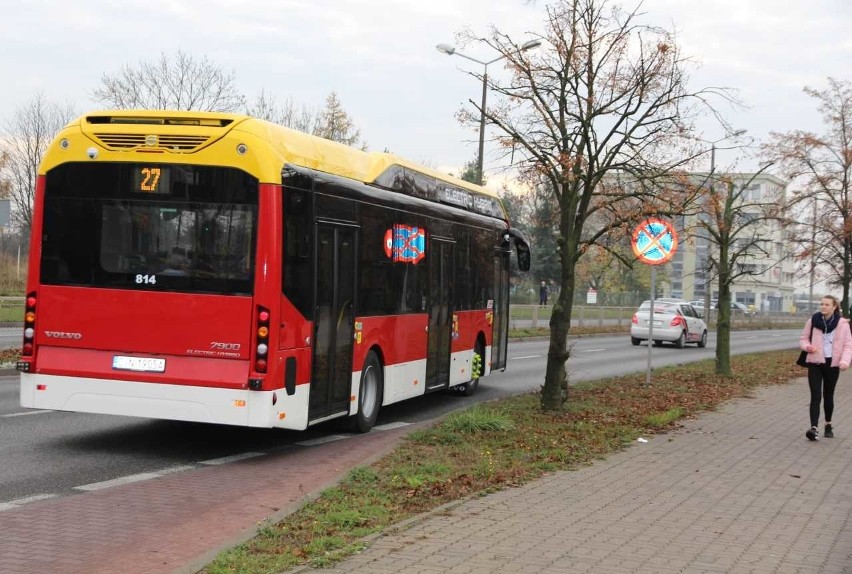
x: 298, y: 265
x: 411, y: 282
x: 377, y: 287
x: 481, y: 268
x: 463, y: 272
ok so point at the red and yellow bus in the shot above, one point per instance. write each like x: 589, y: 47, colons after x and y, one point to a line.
x: 217, y: 268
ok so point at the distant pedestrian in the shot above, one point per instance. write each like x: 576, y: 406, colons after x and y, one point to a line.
x: 828, y: 341
x: 542, y: 294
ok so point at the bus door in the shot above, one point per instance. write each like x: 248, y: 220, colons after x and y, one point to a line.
x: 500, y: 329
x: 334, y: 318
x: 441, y: 268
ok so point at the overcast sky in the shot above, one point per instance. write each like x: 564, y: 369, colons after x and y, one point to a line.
x: 380, y: 57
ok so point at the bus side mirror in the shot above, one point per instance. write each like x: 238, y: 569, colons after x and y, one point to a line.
x: 524, y: 256
x: 522, y: 246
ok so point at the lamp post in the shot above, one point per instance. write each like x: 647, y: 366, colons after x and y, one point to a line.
x: 707, y: 266
x: 450, y: 50
x: 813, y: 258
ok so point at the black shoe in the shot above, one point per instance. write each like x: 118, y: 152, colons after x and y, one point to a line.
x: 812, y: 434
x: 829, y: 431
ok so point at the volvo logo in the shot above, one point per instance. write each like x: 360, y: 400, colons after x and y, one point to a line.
x: 63, y: 335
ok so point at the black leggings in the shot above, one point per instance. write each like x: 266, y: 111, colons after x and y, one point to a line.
x: 822, y: 379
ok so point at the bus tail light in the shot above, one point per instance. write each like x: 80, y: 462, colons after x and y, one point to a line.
x: 29, y: 325
x: 261, y: 340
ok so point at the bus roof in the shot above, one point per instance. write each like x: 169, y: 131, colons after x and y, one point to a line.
x: 188, y: 131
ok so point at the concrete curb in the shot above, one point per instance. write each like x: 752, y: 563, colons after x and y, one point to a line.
x: 395, y: 528
x: 199, y: 562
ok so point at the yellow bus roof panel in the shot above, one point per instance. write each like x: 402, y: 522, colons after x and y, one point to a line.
x: 185, y: 133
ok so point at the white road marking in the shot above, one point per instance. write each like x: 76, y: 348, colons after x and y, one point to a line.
x: 752, y: 337
x: 323, y: 439
x: 17, y: 503
x: 390, y: 426
x: 118, y: 481
x: 25, y: 414
x: 33, y: 498
x: 234, y: 458
x: 590, y: 350
x: 526, y: 357
x: 175, y: 469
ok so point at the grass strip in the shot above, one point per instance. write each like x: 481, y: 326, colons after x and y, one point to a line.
x: 493, y: 446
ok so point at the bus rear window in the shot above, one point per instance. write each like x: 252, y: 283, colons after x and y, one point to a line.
x: 150, y: 227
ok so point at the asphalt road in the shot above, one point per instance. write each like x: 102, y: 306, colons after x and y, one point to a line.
x: 48, y: 454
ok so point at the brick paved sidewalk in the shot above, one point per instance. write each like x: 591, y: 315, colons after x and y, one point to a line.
x: 739, y: 490
x: 176, y: 522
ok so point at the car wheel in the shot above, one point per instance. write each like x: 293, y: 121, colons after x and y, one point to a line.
x: 680, y: 340
x: 635, y: 341
x: 369, y: 394
x: 658, y: 343
x: 703, y: 342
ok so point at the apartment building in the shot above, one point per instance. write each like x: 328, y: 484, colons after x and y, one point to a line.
x: 768, y: 282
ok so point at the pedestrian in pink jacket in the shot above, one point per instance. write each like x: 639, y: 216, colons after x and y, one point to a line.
x: 828, y: 341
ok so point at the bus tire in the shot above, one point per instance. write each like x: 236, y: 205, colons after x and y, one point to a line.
x: 369, y: 394
x: 469, y: 388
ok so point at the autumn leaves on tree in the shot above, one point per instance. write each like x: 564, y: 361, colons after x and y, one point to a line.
x: 591, y: 116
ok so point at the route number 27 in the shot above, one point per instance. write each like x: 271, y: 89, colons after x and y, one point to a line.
x: 150, y: 179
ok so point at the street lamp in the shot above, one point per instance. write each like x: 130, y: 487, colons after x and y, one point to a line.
x: 813, y: 199
x: 451, y: 51
x: 707, y: 285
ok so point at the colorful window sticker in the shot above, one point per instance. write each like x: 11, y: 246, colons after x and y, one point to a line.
x: 405, y: 243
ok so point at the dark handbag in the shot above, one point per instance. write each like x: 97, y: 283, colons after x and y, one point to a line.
x: 801, y: 360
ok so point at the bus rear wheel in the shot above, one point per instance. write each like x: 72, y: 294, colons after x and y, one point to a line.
x: 369, y: 394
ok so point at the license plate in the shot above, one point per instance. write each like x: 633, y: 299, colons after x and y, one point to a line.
x: 142, y: 364
x: 658, y: 323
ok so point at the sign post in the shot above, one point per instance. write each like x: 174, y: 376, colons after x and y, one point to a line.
x: 591, y: 297
x: 654, y: 243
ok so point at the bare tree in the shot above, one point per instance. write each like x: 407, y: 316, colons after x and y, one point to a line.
x: 335, y: 124
x: 331, y: 122
x: 181, y: 82
x: 738, y: 227
x: 822, y: 165
x: 604, y: 95
x: 28, y: 134
x: 5, y: 185
x: 287, y: 114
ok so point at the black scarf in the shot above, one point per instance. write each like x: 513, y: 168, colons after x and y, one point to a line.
x: 823, y: 324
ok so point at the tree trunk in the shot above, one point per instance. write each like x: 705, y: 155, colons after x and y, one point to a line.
x: 723, y: 325
x: 554, y: 393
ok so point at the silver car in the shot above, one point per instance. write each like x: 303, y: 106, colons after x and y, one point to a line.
x: 675, y: 321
